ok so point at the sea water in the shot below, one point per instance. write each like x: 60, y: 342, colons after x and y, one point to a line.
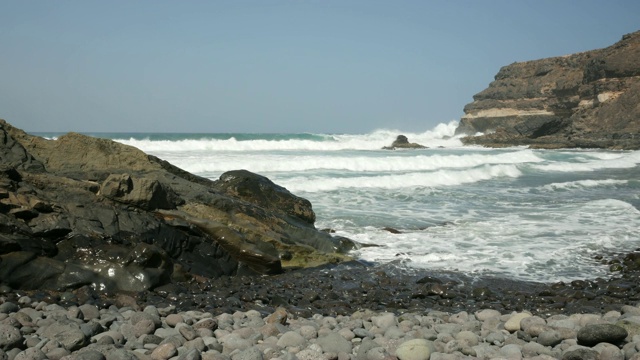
x: 539, y: 215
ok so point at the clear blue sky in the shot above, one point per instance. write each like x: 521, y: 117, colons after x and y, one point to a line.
x: 276, y: 66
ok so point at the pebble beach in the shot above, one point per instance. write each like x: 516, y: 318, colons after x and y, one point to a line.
x: 322, y: 314
x: 37, y: 330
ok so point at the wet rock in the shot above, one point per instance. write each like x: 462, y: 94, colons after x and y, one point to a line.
x: 81, y: 211
x: 402, y: 142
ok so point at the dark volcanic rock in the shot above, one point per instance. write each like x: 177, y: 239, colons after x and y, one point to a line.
x: 263, y: 192
x: 81, y: 211
x: 402, y: 142
x: 589, y: 99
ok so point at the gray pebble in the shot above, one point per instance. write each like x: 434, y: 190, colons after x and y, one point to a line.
x: 251, y: 353
x: 89, y: 312
x: 90, y: 355
x: 291, y: 339
x: 192, y: 354
x: 550, y: 338
x: 9, y: 307
x: 31, y: 354
x: 334, y: 343
x: 10, y: 337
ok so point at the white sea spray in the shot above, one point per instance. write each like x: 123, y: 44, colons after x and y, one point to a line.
x: 528, y: 214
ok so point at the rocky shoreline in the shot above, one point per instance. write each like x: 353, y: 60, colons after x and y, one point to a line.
x: 343, y: 311
x: 109, y: 253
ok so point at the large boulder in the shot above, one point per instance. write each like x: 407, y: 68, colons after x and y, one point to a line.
x: 85, y: 211
x: 261, y: 191
x: 589, y: 99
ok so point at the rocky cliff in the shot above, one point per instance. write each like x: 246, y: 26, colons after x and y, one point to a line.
x: 81, y: 211
x: 584, y: 100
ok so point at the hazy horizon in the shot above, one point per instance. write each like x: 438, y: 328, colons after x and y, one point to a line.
x: 275, y: 66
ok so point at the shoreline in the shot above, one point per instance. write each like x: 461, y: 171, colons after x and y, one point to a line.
x: 345, y: 287
x: 375, y: 312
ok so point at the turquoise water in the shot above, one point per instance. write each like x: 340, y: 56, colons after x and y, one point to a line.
x: 536, y: 215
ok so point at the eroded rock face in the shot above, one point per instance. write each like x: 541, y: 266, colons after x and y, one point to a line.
x: 84, y: 211
x: 589, y: 99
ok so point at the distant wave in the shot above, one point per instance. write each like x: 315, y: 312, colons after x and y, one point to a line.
x: 392, y: 163
x: 441, y: 136
x: 583, y: 184
x: 603, y: 161
x: 433, y: 179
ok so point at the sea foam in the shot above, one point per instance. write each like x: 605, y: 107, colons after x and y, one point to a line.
x: 441, y: 136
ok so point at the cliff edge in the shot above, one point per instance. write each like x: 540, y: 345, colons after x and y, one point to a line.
x: 584, y: 100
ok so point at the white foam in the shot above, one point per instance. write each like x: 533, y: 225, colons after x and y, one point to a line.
x: 583, y: 184
x: 555, y: 243
x: 440, y: 136
x: 420, y: 179
x: 396, y: 162
x: 604, y: 161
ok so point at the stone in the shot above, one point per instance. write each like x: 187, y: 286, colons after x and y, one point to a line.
x: 334, y: 343
x: 144, y: 327
x: 581, y: 354
x: 251, y: 353
x: 278, y: 316
x: 513, y: 324
x: 89, y: 311
x: 174, y: 319
x: 90, y: 354
x: 10, y: 337
x: 384, y: 321
x: 9, y: 307
x: 550, y: 338
x: 591, y: 335
x: 121, y: 354
x: 511, y: 351
x: 486, y: 314
x: 416, y: 349
x: 193, y: 354
x: 164, y: 352
x: 291, y: 339
x: 186, y: 331
x: 31, y: 354
x: 208, y: 323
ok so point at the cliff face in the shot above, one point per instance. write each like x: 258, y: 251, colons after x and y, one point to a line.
x: 589, y: 99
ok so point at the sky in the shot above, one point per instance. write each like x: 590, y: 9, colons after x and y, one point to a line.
x: 345, y: 66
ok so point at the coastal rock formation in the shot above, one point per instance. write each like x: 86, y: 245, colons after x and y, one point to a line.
x: 402, y: 142
x: 584, y: 100
x: 82, y: 211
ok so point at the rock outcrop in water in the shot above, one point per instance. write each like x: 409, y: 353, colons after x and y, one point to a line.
x: 86, y: 211
x: 402, y: 142
x: 584, y: 100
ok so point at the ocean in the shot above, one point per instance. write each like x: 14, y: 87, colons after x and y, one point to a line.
x: 534, y: 215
